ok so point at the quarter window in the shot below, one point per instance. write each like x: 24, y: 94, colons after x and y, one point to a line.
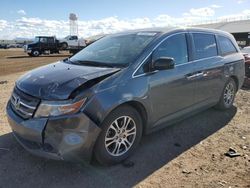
x: 205, y: 45
x: 226, y: 46
x: 175, y: 47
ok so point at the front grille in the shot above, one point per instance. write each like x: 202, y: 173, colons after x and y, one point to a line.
x: 22, y: 104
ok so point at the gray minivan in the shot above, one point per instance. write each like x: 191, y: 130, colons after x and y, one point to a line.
x: 103, y: 99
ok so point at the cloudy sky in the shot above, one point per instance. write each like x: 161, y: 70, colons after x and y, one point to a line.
x: 28, y: 18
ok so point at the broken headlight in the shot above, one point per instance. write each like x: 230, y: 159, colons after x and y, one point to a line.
x: 57, y: 108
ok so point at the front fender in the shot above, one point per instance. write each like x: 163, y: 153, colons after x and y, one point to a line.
x: 104, y: 101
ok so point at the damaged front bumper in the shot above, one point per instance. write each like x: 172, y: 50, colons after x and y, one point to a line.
x: 70, y: 137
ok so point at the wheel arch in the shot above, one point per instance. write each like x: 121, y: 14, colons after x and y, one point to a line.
x: 65, y: 42
x: 141, y: 110
x: 236, y: 81
x: 138, y: 106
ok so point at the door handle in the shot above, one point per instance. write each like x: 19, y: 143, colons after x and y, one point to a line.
x: 195, y: 75
x: 199, y: 74
x: 190, y: 76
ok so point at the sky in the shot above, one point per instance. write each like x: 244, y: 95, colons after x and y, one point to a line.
x: 28, y: 18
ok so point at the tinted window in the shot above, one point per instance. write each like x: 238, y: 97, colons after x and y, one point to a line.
x: 50, y: 40
x: 73, y: 38
x: 205, y: 45
x: 175, y: 47
x: 43, y: 40
x: 226, y: 45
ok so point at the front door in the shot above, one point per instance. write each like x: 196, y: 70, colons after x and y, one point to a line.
x: 172, y: 91
x: 44, y: 43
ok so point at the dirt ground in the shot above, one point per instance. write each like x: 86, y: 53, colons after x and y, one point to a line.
x: 15, y: 60
x: 187, y: 154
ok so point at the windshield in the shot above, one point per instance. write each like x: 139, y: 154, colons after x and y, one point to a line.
x: 116, y: 50
x: 36, y: 39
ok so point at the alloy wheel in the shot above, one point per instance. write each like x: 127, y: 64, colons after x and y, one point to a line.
x: 120, y: 136
x: 229, y: 93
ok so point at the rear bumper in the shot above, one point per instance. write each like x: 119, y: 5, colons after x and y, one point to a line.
x: 70, y: 137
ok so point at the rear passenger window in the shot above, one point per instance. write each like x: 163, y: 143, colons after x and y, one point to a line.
x: 226, y: 46
x: 175, y: 47
x: 50, y: 40
x: 205, y: 45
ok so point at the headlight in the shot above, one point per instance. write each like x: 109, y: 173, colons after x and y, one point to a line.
x: 57, y: 108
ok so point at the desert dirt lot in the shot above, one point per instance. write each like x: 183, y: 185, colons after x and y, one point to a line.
x: 187, y: 154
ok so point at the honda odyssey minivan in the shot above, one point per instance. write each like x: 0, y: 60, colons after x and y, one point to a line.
x: 99, y: 102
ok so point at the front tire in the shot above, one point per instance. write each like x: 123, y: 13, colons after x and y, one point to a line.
x: 228, y: 95
x: 121, y: 134
x: 35, y: 53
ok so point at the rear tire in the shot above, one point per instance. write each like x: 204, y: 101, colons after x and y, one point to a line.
x: 64, y: 45
x: 228, y: 95
x: 121, y: 134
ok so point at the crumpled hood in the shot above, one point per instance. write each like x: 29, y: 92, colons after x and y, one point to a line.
x: 58, y: 80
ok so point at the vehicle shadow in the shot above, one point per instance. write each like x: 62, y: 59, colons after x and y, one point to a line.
x: 20, y: 168
x: 26, y: 56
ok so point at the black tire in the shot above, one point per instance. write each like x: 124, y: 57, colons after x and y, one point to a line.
x: 64, y: 45
x: 102, y: 153
x: 35, y: 53
x: 30, y: 54
x: 224, y: 103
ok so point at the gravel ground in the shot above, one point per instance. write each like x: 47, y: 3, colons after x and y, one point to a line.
x: 187, y: 154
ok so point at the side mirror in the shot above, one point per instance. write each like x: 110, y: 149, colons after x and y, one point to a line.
x: 163, y: 63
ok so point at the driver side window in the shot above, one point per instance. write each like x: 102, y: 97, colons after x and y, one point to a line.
x: 175, y: 47
x: 43, y: 40
x: 73, y: 38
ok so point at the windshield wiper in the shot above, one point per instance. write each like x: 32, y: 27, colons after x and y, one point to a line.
x: 67, y: 60
x: 90, y: 63
x: 95, y: 64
